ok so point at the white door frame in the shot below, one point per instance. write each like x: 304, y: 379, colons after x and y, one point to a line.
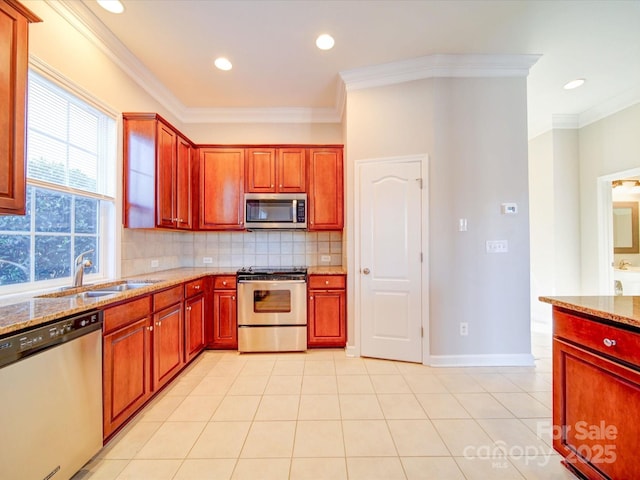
x: 353, y: 259
x: 605, y: 229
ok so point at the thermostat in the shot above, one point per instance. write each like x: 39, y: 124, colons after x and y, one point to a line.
x: 509, y: 208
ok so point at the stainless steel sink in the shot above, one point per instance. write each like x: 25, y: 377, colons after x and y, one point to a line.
x: 122, y: 287
x: 99, y: 290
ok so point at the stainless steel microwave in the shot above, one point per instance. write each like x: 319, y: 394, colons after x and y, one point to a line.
x: 277, y: 211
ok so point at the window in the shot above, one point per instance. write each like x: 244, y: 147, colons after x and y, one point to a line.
x: 70, y: 191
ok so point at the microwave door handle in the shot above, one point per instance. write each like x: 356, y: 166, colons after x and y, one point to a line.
x: 294, y: 210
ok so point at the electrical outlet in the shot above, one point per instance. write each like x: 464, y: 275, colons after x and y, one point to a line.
x: 497, y: 246
x: 464, y: 329
x: 155, y: 263
x: 325, y: 258
x: 207, y: 260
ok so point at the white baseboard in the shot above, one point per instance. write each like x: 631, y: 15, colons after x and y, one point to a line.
x: 352, y: 351
x: 490, y: 360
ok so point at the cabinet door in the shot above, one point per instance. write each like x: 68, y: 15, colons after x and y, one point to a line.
x: 596, y: 412
x: 225, y: 324
x: 221, y: 188
x: 194, y: 326
x: 326, y: 318
x: 291, y: 170
x: 183, y: 193
x: 166, y: 168
x: 260, y: 171
x: 126, y: 373
x: 168, y: 344
x: 326, y: 189
x: 14, y: 56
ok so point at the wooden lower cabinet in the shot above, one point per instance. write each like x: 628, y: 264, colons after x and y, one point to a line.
x: 196, y: 312
x: 194, y: 316
x: 168, y: 344
x: 143, y: 349
x: 225, y: 307
x: 126, y: 367
x: 596, y: 397
x: 326, y: 307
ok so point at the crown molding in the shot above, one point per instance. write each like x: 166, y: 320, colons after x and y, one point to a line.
x: 433, y: 66
x: 261, y: 115
x: 610, y: 106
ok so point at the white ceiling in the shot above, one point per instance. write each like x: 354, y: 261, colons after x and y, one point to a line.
x: 277, y: 66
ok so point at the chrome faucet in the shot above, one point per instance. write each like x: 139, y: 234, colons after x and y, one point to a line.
x: 80, y: 266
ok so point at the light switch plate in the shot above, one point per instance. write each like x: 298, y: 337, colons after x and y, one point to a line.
x: 155, y: 263
x: 207, y: 260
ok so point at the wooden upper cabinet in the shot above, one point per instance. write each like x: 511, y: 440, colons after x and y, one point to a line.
x: 166, y: 171
x: 221, y: 188
x: 158, y: 174
x: 184, y: 184
x: 14, y: 59
x: 326, y: 189
x: 275, y: 170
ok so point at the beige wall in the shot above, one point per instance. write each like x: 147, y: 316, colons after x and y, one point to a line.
x: 606, y: 147
x: 555, y: 223
x: 474, y: 132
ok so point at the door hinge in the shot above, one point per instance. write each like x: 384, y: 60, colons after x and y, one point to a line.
x: 419, y: 180
x: 421, y: 258
x: 421, y: 332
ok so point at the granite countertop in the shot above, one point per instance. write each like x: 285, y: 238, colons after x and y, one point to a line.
x: 20, y: 312
x: 327, y: 270
x: 617, y: 309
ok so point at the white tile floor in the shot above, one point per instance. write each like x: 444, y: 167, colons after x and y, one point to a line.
x: 320, y: 415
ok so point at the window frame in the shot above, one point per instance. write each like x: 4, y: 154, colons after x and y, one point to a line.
x: 109, y: 171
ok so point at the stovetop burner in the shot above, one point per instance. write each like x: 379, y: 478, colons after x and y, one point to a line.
x: 272, y: 273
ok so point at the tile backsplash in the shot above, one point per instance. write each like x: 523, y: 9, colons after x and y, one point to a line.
x: 143, y: 248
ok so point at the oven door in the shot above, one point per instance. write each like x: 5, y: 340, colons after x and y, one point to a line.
x: 276, y: 302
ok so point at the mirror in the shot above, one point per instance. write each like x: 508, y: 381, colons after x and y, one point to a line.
x: 625, y: 227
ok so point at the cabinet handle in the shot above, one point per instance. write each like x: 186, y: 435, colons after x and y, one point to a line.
x: 326, y: 282
x: 608, y: 342
x: 280, y: 185
x: 311, y: 297
x: 158, y: 324
x: 196, y: 287
x: 150, y: 328
x: 272, y: 185
x: 233, y: 298
x: 224, y: 282
x: 189, y: 308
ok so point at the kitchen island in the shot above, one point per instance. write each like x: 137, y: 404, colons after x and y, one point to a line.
x: 596, y: 384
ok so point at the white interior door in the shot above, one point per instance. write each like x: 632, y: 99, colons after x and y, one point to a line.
x: 390, y: 226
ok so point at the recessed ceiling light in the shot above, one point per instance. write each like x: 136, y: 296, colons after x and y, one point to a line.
x: 113, y: 6
x: 578, y: 82
x: 223, y: 63
x: 325, y: 42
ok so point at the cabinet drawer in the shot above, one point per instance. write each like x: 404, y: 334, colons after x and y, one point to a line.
x: 193, y: 288
x: 609, y: 340
x: 167, y: 297
x: 327, y: 281
x: 225, y: 282
x: 126, y: 313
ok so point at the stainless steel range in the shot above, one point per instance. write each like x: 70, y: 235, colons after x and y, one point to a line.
x: 272, y: 309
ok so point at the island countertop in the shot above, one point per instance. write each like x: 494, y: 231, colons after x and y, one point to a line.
x: 622, y: 310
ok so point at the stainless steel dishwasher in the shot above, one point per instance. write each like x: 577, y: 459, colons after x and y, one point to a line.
x: 51, y: 398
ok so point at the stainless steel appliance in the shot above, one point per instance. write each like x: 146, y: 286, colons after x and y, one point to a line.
x: 51, y: 398
x: 281, y: 211
x: 272, y: 309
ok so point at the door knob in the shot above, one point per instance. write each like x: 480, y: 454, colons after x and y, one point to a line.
x: 366, y: 271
